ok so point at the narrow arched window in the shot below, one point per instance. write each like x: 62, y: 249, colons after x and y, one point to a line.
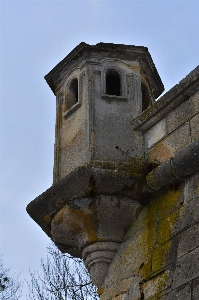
x: 145, y: 97
x: 113, y: 83
x: 73, y: 93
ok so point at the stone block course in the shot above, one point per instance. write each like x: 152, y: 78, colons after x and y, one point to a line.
x: 187, y: 268
x: 179, y: 116
x: 155, y: 133
x: 192, y: 188
x: 194, y: 102
x: 194, y: 123
x: 183, y: 293
x: 164, y: 256
x: 188, y: 240
x: 156, y: 285
x: 171, y: 145
x: 195, y: 289
x: 188, y: 216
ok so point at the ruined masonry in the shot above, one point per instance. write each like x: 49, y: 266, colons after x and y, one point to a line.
x: 125, y: 193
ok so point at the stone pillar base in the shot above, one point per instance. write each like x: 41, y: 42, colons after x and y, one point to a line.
x: 97, y: 258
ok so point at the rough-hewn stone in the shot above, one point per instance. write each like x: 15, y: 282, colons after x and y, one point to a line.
x: 195, y: 127
x: 189, y: 240
x: 156, y: 133
x: 192, y: 188
x: 195, y: 293
x: 187, y: 268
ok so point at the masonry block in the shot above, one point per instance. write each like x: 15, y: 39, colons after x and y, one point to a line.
x: 194, y: 123
x: 182, y: 293
x: 171, y: 145
x: 156, y: 133
x: 181, y: 114
x: 188, y: 216
x: 195, y: 291
x: 192, y: 188
x: 187, y: 268
x: 189, y: 240
x: 157, y: 284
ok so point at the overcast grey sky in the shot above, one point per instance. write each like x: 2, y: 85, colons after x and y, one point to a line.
x: 35, y: 36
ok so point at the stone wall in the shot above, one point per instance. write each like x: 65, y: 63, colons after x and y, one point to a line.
x: 174, y: 132
x: 159, y: 258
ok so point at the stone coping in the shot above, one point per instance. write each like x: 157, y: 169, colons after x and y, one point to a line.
x: 182, y: 165
x: 187, y: 87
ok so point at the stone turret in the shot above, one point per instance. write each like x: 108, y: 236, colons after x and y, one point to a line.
x: 99, y: 90
x: 100, y: 162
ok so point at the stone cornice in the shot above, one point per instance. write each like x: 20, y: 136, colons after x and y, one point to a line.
x: 128, y: 52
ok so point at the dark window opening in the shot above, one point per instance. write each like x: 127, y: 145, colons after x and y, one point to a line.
x: 113, y: 85
x: 145, y: 98
x: 73, y: 94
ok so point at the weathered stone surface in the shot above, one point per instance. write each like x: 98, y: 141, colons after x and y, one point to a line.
x: 194, y: 123
x: 189, y: 240
x: 134, y: 292
x: 128, y: 259
x: 157, y: 284
x: 86, y: 218
x: 91, y: 181
x: 192, y: 188
x: 182, y: 293
x: 97, y: 258
x: 155, y: 133
x: 184, y: 164
x: 172, y: 144
x: 195, y: 292
x: 183, y: 113
x: 83, y: 50
x: 161, y: 152
x: 161, y: 176
x: 169, y: 101
x: 163, y: 255
x: 194, y: 102
x: 187, y: 268
x: 189, y: 216
x: 118, y: 290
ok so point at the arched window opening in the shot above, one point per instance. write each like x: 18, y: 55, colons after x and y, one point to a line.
x: 73, y: 93
x: 145, y: 97
x: 113, y: 83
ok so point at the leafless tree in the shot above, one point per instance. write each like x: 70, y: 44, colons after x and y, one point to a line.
x: 63, y: 277
x: 10, y: 286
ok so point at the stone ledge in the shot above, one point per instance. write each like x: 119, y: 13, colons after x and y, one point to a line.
x: 181, y: 91
x: 184, y: 164
x: 88, y: 181
x: 85, y: 181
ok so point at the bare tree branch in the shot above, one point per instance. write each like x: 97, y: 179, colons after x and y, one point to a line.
x: 10, y: 286
x: 63, y: 277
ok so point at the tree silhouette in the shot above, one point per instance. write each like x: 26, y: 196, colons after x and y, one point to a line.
x: 63, y: 277
x: 10, y: 286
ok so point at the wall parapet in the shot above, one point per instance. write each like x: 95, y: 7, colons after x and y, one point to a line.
x: 169, y: 101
